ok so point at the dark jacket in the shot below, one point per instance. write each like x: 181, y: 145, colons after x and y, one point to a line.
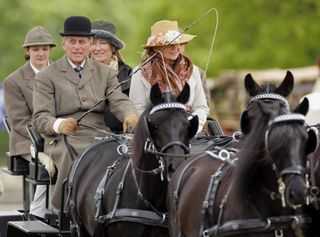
x: 111, y: 121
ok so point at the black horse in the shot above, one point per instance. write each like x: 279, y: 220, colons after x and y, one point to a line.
x: 123, y: 193
x: 267, y: 92
x: 313, y: 209
x: 221, y: 194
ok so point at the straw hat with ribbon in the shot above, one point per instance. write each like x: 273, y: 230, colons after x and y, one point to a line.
x: 163, y: 32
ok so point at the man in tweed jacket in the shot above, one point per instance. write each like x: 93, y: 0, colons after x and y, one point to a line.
x: 61, y: 96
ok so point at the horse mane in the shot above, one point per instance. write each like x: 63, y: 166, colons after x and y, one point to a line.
x: 251, y: 156
x: 140, y: 136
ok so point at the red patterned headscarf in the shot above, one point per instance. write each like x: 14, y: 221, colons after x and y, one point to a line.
x: 168, y: 77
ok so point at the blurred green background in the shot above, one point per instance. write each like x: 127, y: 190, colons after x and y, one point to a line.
x: 253, y: 34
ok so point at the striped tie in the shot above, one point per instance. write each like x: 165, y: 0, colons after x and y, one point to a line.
x: 78, y: 71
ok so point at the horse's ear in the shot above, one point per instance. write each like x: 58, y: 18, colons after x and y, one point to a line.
x: 155, y: 94
x: 183, y: 97
x: 313, y: 140
x: 193, y: 127
x: 286, y: 86
x: 244, y: 122
x: 303, y: 107
x: 251, y: 86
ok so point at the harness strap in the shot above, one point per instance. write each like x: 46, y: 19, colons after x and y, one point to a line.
x: 209, y: 202
x: 101, y: 187
x: 246, y: 226
x: 119, y: 189
x: 140, y: 195
x: 137, y: 216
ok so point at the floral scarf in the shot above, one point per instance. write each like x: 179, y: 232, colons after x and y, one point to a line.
x: 156, y: 72
x: 114, y: 63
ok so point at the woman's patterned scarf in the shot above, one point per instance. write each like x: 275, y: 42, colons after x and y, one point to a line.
x: 173, y: 79
x: 114, y: 63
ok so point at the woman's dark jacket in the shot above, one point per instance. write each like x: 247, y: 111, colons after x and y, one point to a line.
x: 111, y: 121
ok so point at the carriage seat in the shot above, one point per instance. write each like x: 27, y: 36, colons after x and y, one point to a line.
x: 214, y: 128
x: 16, y: 165
x: 42, y: 169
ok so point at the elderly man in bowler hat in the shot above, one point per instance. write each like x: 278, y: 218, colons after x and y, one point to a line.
x: 68, y: 88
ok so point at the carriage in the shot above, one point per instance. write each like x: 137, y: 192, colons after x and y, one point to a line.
x: 139, y: 183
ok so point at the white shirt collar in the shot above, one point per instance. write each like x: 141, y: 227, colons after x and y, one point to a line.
x: 75, y: 66
x: 36, y: 70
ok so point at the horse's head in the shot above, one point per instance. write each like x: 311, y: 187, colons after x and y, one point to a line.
x: 168, y: 127
x: 284, y: 89
x: 268, y: 93
x: 288, y: 142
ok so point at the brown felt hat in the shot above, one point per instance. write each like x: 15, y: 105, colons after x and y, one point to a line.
x: 38, y: 36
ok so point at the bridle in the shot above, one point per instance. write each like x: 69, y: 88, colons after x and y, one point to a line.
x: 150, y: 146
x: 269, y: 96
x: 292, y: 170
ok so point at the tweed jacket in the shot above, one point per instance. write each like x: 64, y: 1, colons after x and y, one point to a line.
x: 18, y: 88
x: 60, y: 93
x: 140, y: 91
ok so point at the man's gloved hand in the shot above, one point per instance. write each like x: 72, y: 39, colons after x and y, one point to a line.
x: 130, y: 123
x: 68, y: 126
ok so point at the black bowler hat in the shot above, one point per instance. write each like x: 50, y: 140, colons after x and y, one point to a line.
x: 77, y: 26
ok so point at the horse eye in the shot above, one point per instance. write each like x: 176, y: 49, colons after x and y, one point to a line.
x: 155, y: 126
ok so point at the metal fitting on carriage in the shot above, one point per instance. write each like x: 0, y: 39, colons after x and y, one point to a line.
x: 122, y: 149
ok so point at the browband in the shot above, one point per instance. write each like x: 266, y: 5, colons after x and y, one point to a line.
x: 272, y: 96
x: 167, y: 106
x: 288, y: 117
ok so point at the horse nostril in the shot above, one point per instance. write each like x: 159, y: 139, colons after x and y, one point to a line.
x: 171, y: 169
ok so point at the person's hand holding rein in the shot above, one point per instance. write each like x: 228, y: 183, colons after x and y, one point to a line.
x: 130, y: 123
x: 68, y: 126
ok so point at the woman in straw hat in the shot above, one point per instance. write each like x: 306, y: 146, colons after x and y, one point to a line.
x: 105, y: 48
x: 18, y: 89
x: 169, y: 68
